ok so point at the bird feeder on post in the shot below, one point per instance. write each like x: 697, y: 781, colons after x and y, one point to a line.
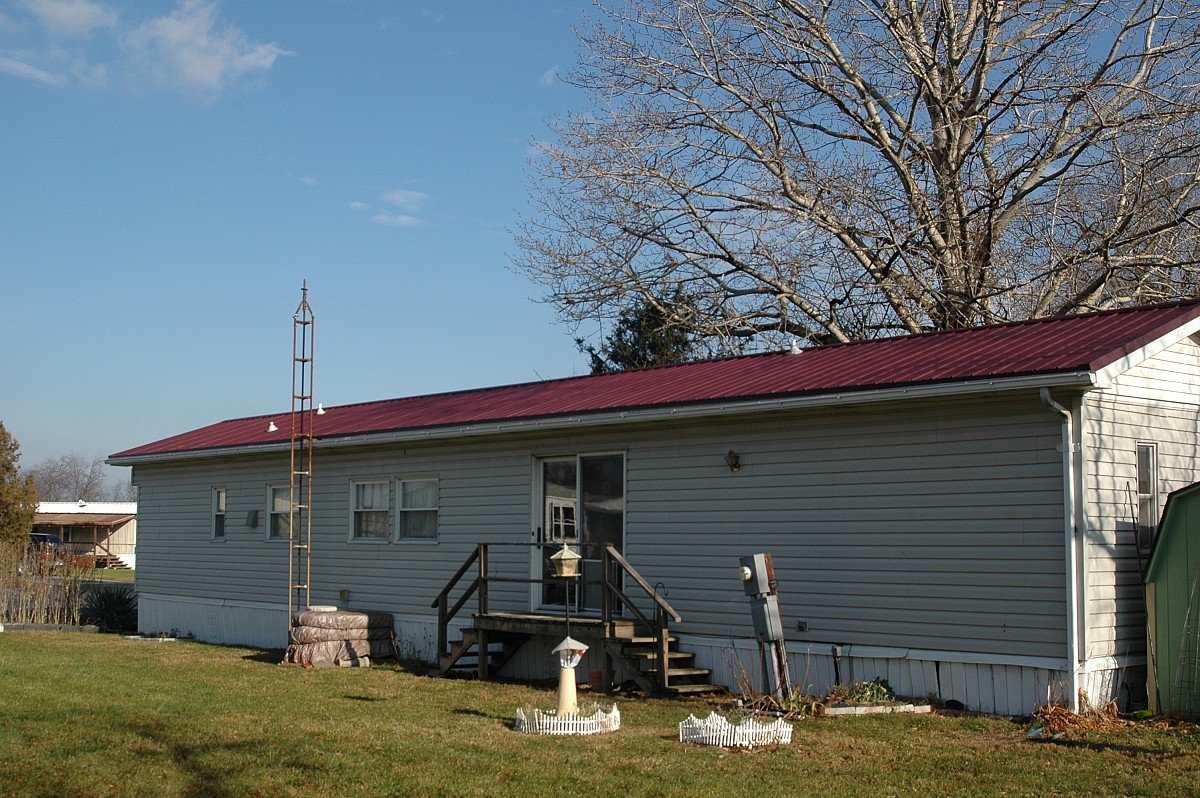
x: 565, y: 562
x: 566, y: 567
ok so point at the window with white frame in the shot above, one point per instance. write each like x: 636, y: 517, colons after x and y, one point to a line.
x: 370, y: 510
x: 417, y: 509
x: 218, y: 513
x: 281, y: 518
x: 1147, y: 495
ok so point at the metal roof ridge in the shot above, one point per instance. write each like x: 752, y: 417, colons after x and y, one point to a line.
x: 627, y: 373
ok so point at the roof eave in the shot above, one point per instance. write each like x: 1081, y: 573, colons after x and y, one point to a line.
x: 1124, y: 362
x: 1082, y: 380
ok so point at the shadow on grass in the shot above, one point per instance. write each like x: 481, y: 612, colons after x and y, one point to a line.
x: 1116, y: 748
x: 271, y: 656
x: 198, y: 764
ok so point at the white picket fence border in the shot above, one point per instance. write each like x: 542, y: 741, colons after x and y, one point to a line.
x: 716, y: 730
x: 548, y: 722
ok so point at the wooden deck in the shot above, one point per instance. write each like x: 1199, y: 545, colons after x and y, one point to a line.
x: 634, y: 643
x: 553, y: 626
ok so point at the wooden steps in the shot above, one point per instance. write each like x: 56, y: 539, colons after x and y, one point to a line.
x: 634, y: 656
x: 683, y: 677
x: 464, y: 656
x: 637, y: 644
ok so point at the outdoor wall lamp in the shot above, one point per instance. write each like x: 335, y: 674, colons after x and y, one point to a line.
x: 733, y: 461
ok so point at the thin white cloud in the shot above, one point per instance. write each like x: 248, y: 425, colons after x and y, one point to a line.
x: 79, y: 72
x: 308, y: 180
x: 396, y: 220
x: 22, y: 69
x: 359, y: 206
x: 408, y: 200
x: 549, y: 77
x: 72, y: 17
x: 194, y: 50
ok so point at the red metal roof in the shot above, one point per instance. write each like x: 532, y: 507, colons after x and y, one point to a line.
x: 1070, y: 344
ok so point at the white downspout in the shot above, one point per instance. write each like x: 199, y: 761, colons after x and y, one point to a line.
x: 1071, y: 535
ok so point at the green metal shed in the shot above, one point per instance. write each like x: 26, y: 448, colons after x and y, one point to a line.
x: 1173, y: 607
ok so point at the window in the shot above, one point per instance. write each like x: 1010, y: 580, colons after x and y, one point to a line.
x: 1147, y: 495
x: 281, y: 519
x: 218, y: 513
x: 418, y: 509
x: 370, y: 515
x: 560, y: 519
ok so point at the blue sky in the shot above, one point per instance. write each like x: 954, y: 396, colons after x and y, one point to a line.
x: 172, y: 172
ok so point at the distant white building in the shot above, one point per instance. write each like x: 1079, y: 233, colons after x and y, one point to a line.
x: 104, y: 530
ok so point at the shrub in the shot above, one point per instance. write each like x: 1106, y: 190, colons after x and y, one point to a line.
x: 112, y: 608
x: 36, y: 588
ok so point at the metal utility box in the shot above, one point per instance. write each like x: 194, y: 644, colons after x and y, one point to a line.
x: 755, y: 578
x: 764, y: 612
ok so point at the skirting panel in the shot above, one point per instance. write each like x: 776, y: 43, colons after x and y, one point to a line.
x: 214, y: 621
x: 258, y: 625
x: 1000, y: 688
x: 1005, y: 688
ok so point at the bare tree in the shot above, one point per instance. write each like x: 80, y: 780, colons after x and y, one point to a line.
x: 848, y: 168
x: 71, y: 477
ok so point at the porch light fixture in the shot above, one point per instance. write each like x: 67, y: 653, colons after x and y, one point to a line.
x: 733, y: 461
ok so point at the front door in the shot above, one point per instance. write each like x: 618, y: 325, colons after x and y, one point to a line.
x: 582, y: 504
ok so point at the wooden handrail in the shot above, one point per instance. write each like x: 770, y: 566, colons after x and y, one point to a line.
x: 442, y: 602
x: 642, y: 583
x: 613, y: 599
x: 457, y: 575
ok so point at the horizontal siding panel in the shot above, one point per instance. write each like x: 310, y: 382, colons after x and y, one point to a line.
x: 950, y: 529
x: 1155, y: 402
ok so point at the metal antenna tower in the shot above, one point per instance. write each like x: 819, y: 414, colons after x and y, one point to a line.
x: 300, y: 482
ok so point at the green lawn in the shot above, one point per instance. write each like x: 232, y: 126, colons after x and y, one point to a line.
x: 97, y: 715
x: 121, y: 575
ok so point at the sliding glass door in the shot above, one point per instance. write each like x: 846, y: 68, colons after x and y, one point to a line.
x: 582, y: 503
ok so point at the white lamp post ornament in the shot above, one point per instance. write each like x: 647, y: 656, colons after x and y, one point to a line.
x: 567, y: 719
x: 569, y: 653
x: 566, y: 566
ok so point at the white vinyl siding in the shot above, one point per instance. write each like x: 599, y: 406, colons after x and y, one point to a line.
x: 1155, y: 402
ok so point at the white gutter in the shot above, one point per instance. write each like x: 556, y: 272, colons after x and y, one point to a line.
x: 695, y: 410
x: 1071, y: 538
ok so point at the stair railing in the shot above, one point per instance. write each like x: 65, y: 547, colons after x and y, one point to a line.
x: 659, y: 627
x: 615, y: 602
x: 446, y: 613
